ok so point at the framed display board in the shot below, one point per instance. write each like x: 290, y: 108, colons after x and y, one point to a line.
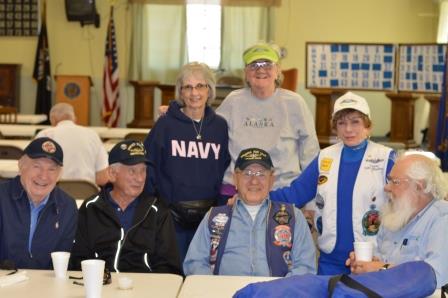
x: 350, y: 66
x: 19, y: 17
x: 421, y: 67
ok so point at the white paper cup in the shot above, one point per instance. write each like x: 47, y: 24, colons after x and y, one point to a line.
x: 363, y: 250
x: 60, y: 263
x: 92, y: 272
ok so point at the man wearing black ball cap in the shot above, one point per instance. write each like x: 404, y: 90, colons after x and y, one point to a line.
x: 36, y: 217
x: 131, y: 231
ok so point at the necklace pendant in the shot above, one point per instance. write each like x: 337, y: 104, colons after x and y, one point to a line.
x: 198, y: 137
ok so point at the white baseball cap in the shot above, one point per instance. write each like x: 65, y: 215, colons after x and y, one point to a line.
x: 353, y: 101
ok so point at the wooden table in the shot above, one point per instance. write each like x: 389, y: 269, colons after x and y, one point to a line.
x: 8, y: 169
x: 223, y: 286
x: 23, y: 143
x: 20, y: 131
x: 29, y: 131
x: 42, y: 283
x: 16, y: 143
x: 117, y: 133
x: 31, y: 118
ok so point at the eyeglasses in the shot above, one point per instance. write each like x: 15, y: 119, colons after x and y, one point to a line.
x: 261, y: 174
x: 107, y: 278
x: 199, y: 87
x: 267, y: 65
x: 396, y: 181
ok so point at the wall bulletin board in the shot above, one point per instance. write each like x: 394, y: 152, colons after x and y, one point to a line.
x: 19, y: 17
x: 350, y: 66
x: 421, y: 67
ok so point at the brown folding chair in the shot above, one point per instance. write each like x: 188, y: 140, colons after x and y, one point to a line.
x: 8, y: 114
x: 10, y: 152
x: 137, y: 136
x: 78, y: 189
x: 290, y: 79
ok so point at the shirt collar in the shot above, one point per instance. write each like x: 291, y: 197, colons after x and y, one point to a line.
x: 65, y: 123
x: 114, y: 204
x: 423, y: 211
x: 240, y: 202
x: 41, y: 204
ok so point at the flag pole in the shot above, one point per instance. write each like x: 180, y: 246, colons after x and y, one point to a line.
x: 111, y: 87
x: 441, y: 135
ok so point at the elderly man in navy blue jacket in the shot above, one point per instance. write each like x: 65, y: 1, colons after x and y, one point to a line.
x: 36, y: 217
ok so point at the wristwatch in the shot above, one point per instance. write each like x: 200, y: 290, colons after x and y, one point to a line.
x: 385, y: 266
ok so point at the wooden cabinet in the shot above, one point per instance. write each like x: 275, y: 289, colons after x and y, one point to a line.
x: 402, y: 118
x: 143, y: 104
x: 10, y: 85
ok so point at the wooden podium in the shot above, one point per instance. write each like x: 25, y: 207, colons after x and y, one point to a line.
x: 75, y: 90
x: 143, y: 104
x: 402, y: 118
x: 434, y: 101
x: 325, y: 99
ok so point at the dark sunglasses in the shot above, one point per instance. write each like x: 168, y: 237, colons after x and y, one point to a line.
x: 107, y: 278
x: 260, y: 64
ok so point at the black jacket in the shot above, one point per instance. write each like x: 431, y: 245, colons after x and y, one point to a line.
x: 148, y: 246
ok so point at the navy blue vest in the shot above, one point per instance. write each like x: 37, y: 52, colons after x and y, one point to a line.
x: 279, y: 236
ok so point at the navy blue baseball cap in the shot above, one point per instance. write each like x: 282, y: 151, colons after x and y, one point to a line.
x: 253, y: 155
x: 45, y: 147
x: 128, y: 152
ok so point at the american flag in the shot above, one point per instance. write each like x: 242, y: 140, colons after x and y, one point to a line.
x: 111, y: 92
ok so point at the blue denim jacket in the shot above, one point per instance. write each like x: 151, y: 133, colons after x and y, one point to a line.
x: 55, y: 228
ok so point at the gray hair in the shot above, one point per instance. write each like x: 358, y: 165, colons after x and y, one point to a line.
x: 192, y: 69
x: 62, y: 111
x: 427, y: 169
x: 116, y: 165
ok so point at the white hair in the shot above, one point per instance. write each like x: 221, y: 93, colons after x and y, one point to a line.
x: 427, y: 169
x: 62, y: 111
x: 396, y: 213
x: 24, y: 162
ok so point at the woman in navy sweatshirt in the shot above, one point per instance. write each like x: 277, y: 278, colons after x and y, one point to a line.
x: 188, y: 152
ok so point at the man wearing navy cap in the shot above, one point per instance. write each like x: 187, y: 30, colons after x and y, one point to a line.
x: 256, y: 236
x: 131, y: 231
x: 36, y: 217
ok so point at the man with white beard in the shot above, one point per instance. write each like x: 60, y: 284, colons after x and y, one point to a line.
x: 414, y: 223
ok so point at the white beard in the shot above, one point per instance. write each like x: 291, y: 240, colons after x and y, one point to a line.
x: 396, y: 213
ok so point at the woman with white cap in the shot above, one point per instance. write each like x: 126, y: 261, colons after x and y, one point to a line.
x: 266, y: 116
x: 346, y: 181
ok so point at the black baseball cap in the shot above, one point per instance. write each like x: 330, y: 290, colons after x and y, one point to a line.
x: 253, y: 155
x: 45, y: 147
x: 128, y: 152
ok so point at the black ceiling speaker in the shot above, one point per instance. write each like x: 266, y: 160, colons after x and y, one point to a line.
x: 83, y: 11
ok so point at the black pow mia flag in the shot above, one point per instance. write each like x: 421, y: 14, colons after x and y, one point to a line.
x: 42, y: 73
